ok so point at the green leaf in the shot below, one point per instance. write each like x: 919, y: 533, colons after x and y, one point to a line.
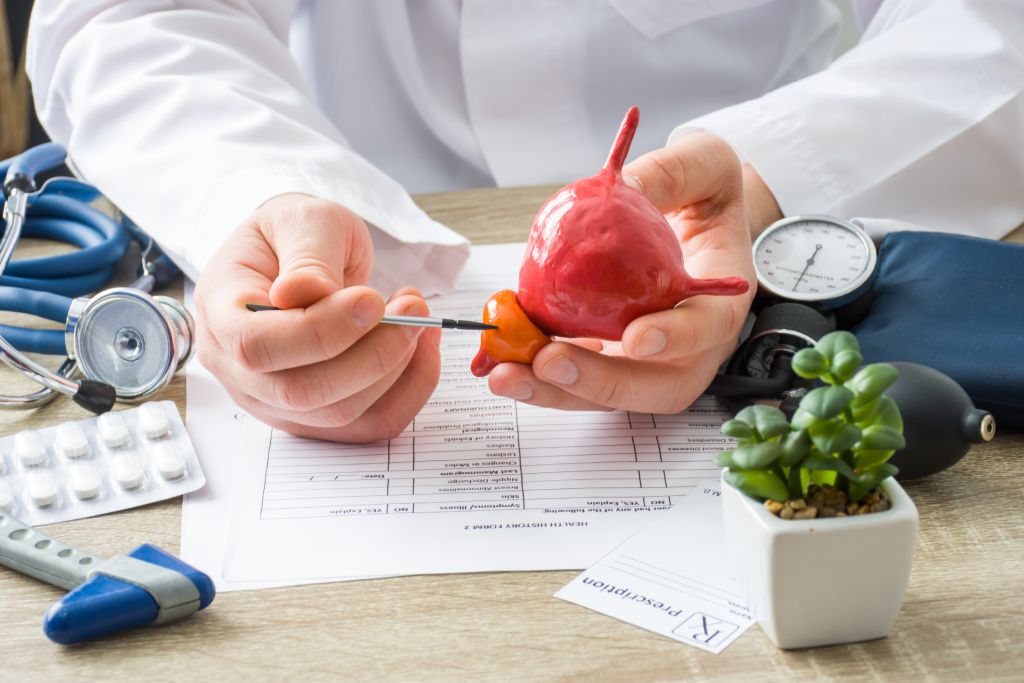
x: 826, y: 402
x: 834, y: 342
x: 863, y: 460
x: 880, y: 437
x: 809, y: 363
x: 756, y: 456
x: 802, y: 419
x: 816, y: 462
x: 760, y: 484
x: 869, y: 479
x: 889, y: 414
x: 723, y: 459
x: 877, y: 474
x: 737, y: 429
x: 821, y: 477
x: 767, y: 420
x: 845, y: 364
x: 872, y: 380
x: 881, y: 411
x: 795, y: 482
x: 834, y: 436
x: 864, y: 413
x: 795, y: 446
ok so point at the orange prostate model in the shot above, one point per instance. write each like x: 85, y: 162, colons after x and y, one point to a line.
x: 517, y: 340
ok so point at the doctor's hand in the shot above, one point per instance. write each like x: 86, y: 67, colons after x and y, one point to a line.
x: 665, y: 359
x: 323, y: 367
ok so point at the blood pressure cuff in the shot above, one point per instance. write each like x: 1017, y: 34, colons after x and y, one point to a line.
x: 956, y: 304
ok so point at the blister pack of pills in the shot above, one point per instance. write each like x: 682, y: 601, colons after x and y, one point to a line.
x: 89, y: 467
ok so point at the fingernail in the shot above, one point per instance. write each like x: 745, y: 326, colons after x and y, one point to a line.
x: 633, y: 182
x: 560, y: 370
x: 520, y: 392
x: 651, y: 342
x: 366, y: 312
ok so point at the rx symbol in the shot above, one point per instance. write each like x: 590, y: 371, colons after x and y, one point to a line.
x: 706, y: 629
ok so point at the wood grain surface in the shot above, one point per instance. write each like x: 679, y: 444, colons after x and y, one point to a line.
x: 963, y: 618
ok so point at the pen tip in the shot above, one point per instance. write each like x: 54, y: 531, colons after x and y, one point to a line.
x: 473, y: 325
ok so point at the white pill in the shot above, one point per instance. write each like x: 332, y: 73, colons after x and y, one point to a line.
x: 153, y: 421
x: 29, y: 449
x: 6, y: 497
x: 84, y: 480
x: 113, y: 430
x: 127, y: 470
x: 169, y: 462
x: 42, y: 488
x: 71, y: 440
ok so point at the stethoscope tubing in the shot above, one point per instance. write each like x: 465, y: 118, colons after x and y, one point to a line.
x: 40, y: 304
x: 15, y: 210
x: 101, y: 243
x: 36, y: 160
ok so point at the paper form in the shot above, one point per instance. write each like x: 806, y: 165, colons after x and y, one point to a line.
x: 214, y: 424
x: 476, y: 483
x: 492, y: 456
x: 674, y: 577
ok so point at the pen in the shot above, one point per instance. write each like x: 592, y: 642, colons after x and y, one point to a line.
x: 411, y: 320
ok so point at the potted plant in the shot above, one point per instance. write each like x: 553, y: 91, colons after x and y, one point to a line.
x: 822, y: 535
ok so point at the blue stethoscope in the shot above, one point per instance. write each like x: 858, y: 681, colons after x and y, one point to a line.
x: 126, y: 343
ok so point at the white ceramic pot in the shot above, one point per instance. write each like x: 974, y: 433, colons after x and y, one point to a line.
x: 822, y: 581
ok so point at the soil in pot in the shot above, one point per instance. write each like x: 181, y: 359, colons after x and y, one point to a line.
x: 827, y: 501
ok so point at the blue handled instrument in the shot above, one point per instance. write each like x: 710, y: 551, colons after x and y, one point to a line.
x: 146, y: 586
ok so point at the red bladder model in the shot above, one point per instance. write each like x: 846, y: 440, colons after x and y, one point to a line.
x: 600, y: 255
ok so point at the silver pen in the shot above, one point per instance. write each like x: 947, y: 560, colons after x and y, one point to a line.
x: 410, y: 320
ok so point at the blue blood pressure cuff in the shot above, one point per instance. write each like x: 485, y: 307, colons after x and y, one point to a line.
x: 956, y: 304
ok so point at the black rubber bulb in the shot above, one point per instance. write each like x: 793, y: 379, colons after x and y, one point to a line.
x: 940, y: 421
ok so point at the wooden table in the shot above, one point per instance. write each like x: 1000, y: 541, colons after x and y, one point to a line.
x: 963, y: 618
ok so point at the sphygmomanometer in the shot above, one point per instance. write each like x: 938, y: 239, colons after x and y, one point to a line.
x: 944, y: 308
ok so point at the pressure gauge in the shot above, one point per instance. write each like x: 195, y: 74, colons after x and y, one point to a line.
x: 814, y: 259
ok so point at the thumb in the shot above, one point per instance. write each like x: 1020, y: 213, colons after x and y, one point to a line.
x: 321, y: 247
x: 697, y: 168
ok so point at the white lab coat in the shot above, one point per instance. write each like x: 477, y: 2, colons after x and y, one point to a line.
x: 190, y: 113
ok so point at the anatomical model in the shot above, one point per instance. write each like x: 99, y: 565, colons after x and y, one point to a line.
x: 599, y: 255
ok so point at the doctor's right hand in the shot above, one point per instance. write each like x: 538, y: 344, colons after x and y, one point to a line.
x: 322, y: 367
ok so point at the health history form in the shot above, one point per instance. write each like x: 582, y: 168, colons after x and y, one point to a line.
x: 476, y: 482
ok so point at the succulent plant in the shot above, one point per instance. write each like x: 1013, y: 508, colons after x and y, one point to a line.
x: 842, y: 433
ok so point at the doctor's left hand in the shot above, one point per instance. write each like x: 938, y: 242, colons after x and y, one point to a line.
x: 322, y: 367
x: 665, y: 359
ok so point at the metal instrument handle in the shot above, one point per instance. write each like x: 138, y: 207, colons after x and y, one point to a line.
x: 30, y: 551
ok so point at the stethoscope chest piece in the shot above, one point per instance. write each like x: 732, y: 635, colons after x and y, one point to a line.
x: 130, y: 340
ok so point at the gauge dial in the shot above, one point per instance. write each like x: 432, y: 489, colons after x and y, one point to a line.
x: 814, y: 258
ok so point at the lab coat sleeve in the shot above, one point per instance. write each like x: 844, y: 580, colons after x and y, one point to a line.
x: 189, y: 114
x: 920, y: 125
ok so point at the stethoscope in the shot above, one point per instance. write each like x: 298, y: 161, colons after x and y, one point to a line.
x: 126, y: 343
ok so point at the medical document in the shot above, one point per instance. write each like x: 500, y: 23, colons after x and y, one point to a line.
x: 674, y: 577
x: 475, y: 483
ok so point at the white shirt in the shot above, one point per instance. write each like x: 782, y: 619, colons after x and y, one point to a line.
x: 188, y: 114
